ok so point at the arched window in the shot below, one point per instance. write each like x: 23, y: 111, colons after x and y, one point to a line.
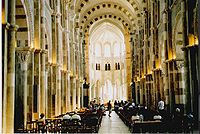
x: 97, y: 66
x: 108, y: 66
x: 115, y: 66
x: 107, y: 51
x: 118, y: 67
x: 98, y: 50
x: 117, y: 50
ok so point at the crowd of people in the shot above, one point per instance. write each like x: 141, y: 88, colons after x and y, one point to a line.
x: 173, y: 122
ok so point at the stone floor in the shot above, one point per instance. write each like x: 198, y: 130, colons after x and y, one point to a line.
x: 113, y: 124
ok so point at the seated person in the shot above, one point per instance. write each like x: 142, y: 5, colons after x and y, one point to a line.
x: 67, y: 117
x: 76, y: 116
x: 115, y: 103
x: 76, y: 109
x: 133, y: 104
x: 94, y: 114
x: 177, y: 120
x: 157, y: 117
x: 130, y: 107
x: 94, y: 111
x: 120, y: 108
x: 135, y: 117
x: 141, y: 117
x: 102, y: 107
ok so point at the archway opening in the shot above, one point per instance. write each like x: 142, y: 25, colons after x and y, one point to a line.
x: 107, y: 59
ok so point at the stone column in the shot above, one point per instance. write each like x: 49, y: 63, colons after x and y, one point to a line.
x: 30, y: 85
x: 81, y: 93
x: 37, y: 16
x: 21, y: 98
x: 58, y: 90
x: 121, y: 76
x: 97, y: 91
x: 43, y: 53
x: 8, y: 119
x: 68, y: 62
x: 145, y: 13
x: 42, y: 82
x: 36, y: 109
x: 68, y: 92
x: 5, y: 28
x: 48, y: 90
x: 91, y: 91
x: 141, y: 91
x: 64, y: 92
x: 73, y: 82
x: 78, y: 93
x: 74, y: 64
x: 78, y: 68
x: 57, y: 54
x: 117, y: 90
x: 187, y: 107
x: 113, y: 91
x: 152, y: 58
x: 81, y: 69
x: 165, y: 66
x: 103, y: 88
x: 136, y: 93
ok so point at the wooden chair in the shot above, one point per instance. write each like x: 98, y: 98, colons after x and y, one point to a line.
x: 74, y: 126
x: 65, y: 125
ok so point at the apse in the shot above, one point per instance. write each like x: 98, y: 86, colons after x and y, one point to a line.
x: 106, y: 57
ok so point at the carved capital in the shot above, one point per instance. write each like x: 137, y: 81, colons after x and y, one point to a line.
x: 22, y: 54
x: 6, y: 25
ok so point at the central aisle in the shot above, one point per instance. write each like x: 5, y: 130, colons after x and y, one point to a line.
x: 112, y: 124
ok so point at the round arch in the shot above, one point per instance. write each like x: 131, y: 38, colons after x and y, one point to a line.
x: 177, y: 37
x: 100, y: 22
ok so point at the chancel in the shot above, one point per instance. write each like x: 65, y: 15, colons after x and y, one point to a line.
x: 68, y: 64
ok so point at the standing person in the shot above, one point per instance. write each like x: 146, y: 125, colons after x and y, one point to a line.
x: 109, y: 108
x: 41, y: 124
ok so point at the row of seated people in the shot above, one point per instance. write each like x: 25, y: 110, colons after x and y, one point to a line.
x: 141, y: 119
x: 85, y: 121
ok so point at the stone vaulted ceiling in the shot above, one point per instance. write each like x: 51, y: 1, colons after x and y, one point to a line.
x: 125, y: 14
